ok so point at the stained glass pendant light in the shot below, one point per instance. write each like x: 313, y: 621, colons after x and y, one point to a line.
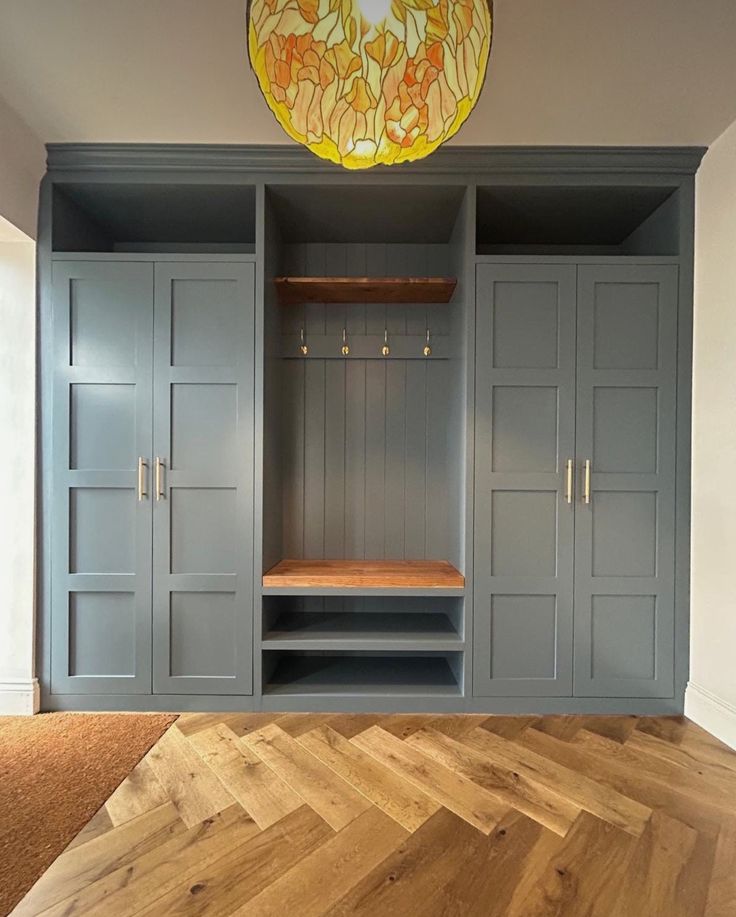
x: 363, y: 82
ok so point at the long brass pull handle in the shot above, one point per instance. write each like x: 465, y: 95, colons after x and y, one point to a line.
x: 586, y: 485
x: 160, y: 494
x: 568, y: 480
x: 142, y: 465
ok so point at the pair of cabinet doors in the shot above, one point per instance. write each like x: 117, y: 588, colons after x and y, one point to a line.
x: 152, y: 512
x: 574, y: 594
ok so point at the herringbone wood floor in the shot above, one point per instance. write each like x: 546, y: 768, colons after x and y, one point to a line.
x: 305, y: 814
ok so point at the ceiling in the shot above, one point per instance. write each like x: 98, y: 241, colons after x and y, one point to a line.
x: 562, y: 72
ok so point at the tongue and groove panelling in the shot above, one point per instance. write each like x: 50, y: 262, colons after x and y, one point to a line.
x: 366, y: 454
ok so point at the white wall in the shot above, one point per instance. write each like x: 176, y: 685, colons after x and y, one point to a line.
x: 22, y: 164
x: 711, y: 695
x: 18, y: 687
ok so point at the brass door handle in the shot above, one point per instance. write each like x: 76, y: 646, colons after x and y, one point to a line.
x: 586, y: 482
x: 142, y: 491
x: 160, y: 492
x: 568, y: 480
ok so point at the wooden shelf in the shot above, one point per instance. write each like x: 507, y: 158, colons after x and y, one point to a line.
x: 364, y: 574
x: 295, y: 290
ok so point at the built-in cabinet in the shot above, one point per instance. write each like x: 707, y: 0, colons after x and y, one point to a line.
x: 153, y: 478
x: 575, y: 479
x: 413, y: 440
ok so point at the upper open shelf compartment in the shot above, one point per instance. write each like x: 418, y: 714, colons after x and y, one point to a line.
x: 158, y: 217
x: 296, y: 290
x: 364, y: 575
x: 600, y: 219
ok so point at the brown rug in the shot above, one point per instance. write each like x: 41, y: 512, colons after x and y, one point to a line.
x: 56, y: 770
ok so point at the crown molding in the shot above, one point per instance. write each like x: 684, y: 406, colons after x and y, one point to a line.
x: 285, y: 158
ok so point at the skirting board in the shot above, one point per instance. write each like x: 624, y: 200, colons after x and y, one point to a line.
x: 712, y: 713
x: 19, y: 697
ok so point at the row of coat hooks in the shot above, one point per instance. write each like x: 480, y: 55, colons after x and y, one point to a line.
x: 345, y: 349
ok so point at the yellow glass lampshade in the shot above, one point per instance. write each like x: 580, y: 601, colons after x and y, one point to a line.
x: 369, y: 82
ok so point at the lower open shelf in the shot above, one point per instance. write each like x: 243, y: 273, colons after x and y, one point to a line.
x: 361, y: 630
x: 362, y: 673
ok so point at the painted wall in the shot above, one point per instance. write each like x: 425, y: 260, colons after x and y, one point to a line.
x: 22, y: 164
x: 711, y: 696
x: 18, y: 688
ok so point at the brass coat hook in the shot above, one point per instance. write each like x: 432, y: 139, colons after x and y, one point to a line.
x: 385, y: 350
x: 427, y: 346
x: 303, y: 343
x: 345, y: 345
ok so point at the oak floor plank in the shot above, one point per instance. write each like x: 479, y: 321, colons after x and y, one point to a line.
x: 512, y: 789
x: 323, y: 877
x: 707, y: 748
x: 99, y: 824
x: 410, y: 881
x: 458, y: 794
x: 508, y: 726
x: 456, y: 725
x: 249, y: 781
x: 403, y: 724
x: 129, y: 889
x: 689, y: 782
x: 190, y: 784
x: 488, y: 889
x: 681, y: 756
x: 350, y: 724
x: 658, y: 880
x: 329, y: 795
x: 400, y: 800
x: 138, y: 793
x: 225, y: 884
x: 81, y: 866
x: 721, y: 901
x: 582, y: 878
x: 613, y: 775
x: 240, y: 723
x: 296, y: 724
x: 584, y: 792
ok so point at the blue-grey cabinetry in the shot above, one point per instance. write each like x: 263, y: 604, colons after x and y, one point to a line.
x: 575, y: 479
x: 152, y: 519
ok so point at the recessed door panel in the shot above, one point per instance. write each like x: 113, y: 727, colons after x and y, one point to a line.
x: 525, y: 413
x: 203, y: 512
x: 524, y: 637
x: 203, y: 634
x: 624, y: 553
x: 101, y: 514
x: 626, y: 320
x: 625, y: 429
x: 525, y: 425
x: 102, y: 634
x: 102, y: 531
x: 102, y: 426
x: 524, y: 533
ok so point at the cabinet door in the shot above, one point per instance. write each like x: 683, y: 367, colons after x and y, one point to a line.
x: 525, y: 414
x: 624, y: 552
x: 203, y: 513
x: 101, y: 525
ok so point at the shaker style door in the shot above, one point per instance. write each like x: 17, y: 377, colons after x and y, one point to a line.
x: 101, y: 509
x: 625, y: 516
x: 524, y: 505
x: 203, y: 478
